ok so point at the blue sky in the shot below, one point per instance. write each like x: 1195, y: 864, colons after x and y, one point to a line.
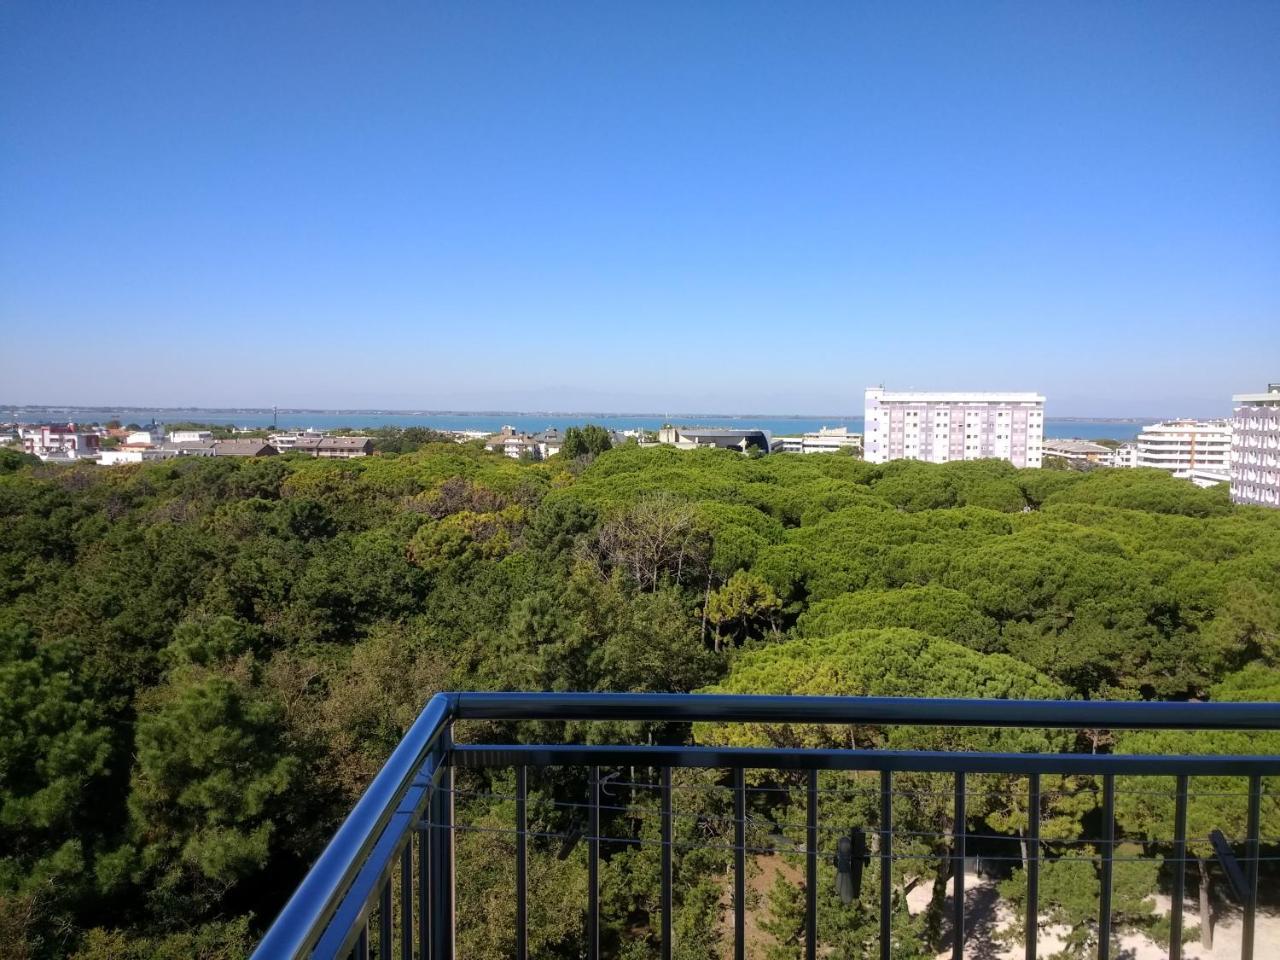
x: 639, y: 206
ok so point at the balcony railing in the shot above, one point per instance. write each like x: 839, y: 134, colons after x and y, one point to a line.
x: 401, y: 834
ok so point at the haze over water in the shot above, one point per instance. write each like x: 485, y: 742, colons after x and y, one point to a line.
x: 492, y: 421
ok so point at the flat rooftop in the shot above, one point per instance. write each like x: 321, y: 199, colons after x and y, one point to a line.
x: 1271, y: 397
x: 1074, y: 446
x: 971, y: 396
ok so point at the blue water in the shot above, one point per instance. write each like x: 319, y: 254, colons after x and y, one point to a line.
x: 491, y: 422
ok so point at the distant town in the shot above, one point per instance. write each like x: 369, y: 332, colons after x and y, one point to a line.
x: 936, y: 427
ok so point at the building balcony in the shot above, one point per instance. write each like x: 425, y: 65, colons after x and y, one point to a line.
x: 386, y: 882
x: 1257, y: 459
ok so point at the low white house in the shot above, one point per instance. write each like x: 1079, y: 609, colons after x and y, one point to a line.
x: 333, y: 448
x: 549, y: 442
x: 1078, y: 453
x: 152, y: 435
x: 513, y: 443
x: 289, y: 439
x: 1125, y: 455
x: 191, y: 448
x: 190, y: 436
x: 112, y: 458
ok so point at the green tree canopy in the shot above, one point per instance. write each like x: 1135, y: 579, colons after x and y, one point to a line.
x: 589, y: 440
x: 934, y: 610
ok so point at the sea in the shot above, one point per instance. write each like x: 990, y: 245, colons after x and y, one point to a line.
x: 492, y: 421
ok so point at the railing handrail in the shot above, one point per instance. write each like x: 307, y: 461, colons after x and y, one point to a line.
x: 304, y: 918
x: 907, y: 711
x: 916, y: 761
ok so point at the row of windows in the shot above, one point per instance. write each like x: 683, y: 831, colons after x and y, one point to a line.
x: 971, y: 413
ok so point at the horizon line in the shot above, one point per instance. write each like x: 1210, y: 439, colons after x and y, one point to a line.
x: 421, y: 412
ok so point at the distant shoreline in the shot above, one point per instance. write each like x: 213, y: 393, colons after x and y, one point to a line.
x: 410, y: 412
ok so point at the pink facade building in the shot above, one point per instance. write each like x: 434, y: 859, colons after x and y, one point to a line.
x: 941, y: 427
x: 53, y: 441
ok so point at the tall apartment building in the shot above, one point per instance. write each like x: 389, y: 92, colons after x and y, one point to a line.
x: 1255, y: 447
x: 939, y: 427
x: 1186, y: 447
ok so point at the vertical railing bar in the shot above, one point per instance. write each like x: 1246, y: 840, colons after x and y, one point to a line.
x: 811, y: 871
x: 442, y: 868
x: 1253, y: 851
x: 424, y: 889
x: 385, y: 919
x: 406, y: 900
x: 1033, y: 866
x: 886, y: 864
x: 593, y: 868
x: 450, y: 859
x: 739, y: 864
x: 362, y: 942
x: 522, y: 863
x: 667, y: 840
x: 957, y: 923
x: 1179, y: 868
x: 1108, y: 852
x: 436, y: 847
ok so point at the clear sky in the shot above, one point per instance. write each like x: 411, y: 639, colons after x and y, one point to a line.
x: 660, y: 205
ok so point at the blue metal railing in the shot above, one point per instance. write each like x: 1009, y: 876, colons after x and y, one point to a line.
x: 351, y: 883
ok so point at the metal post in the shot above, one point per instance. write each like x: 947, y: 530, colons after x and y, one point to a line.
x: 385, y: 922
x: 1179, y: 869
x: 886, y: 865
x: 811, y: 872
x: 666, y: 864
x: 1033, y: 865
x: 957, y: 895
x: 1108, y: 852
x: 442, y: 867
x: 593, y: 869
x: 362, y: 942
x: 1252, y: 852
x: 522, y: 863
x: 406, y: 900
x: 424, y: 888
x: 739, y: 864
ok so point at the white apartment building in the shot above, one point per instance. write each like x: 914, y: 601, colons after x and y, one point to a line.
x: 940, y: 427
x: 1255, y: 448
x: 822, y: 440
x: 1186, y: 447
